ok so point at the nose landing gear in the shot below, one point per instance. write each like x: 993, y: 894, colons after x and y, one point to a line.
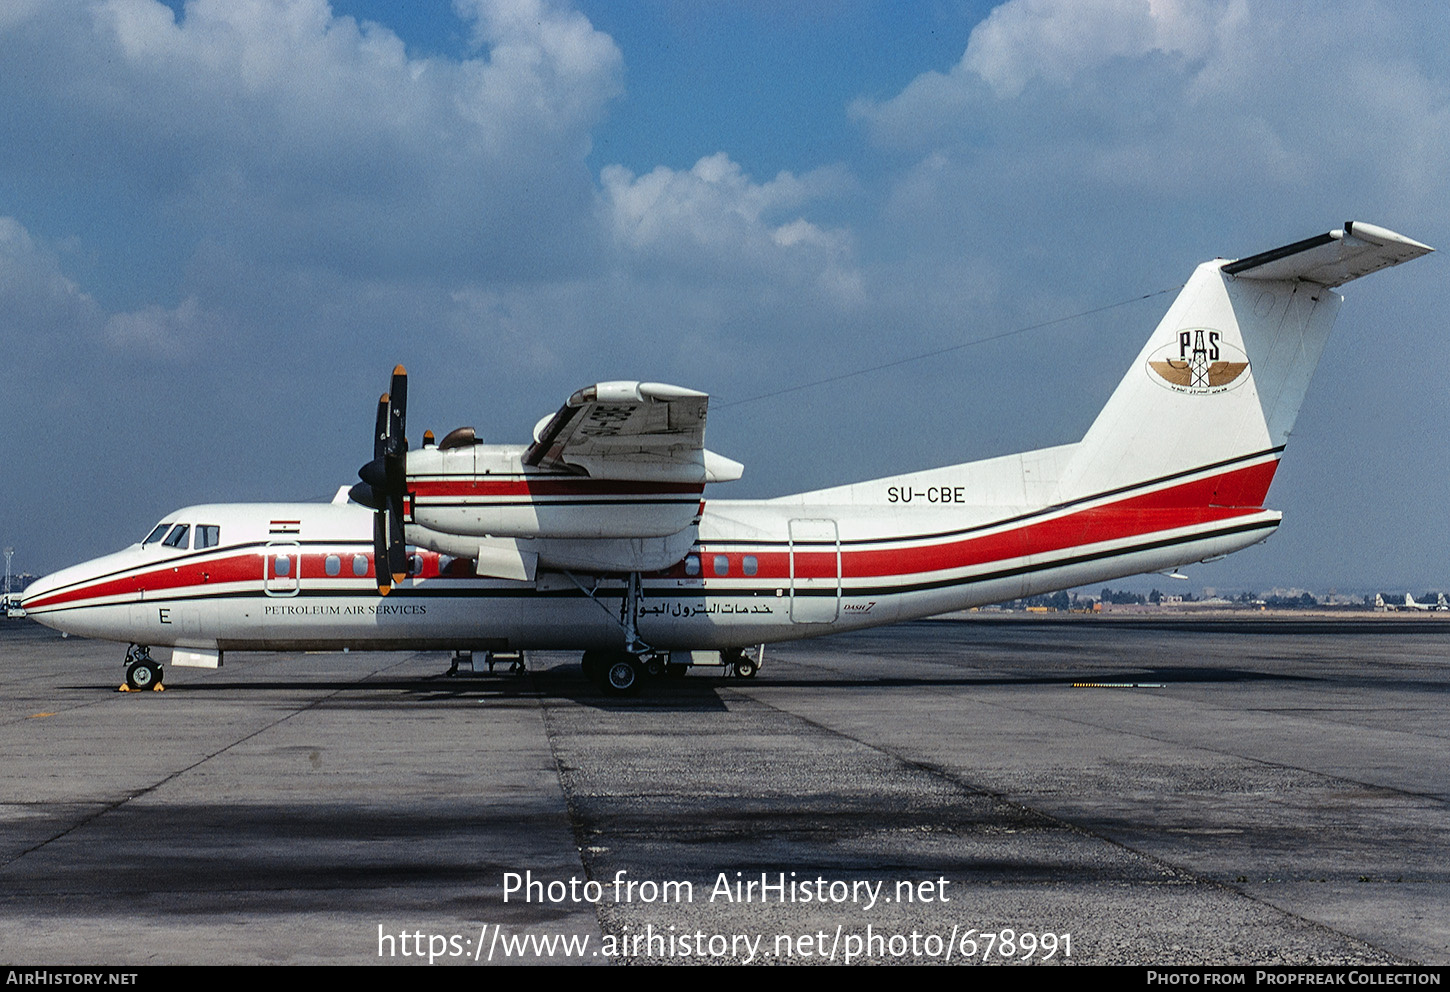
x: 142, y: 673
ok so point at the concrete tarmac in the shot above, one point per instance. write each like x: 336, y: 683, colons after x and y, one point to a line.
x: 1126, y: 792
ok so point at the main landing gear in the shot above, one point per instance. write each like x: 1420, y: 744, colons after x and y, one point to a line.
x: 740, y: 664
x: 621, y: 673
x: 142, y: 673
x: 616, y: 673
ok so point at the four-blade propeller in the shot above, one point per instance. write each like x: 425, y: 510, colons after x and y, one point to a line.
x: 384, y: 484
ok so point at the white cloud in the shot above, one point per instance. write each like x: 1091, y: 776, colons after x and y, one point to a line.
x: 279, y: 128
x: 1186, y: 100
x: 46, y: 319
x: 1059, y: 39
x: 178, y: 332
x: 715, y: 215
x: 548, y: 63
x: 45, y: 316
x: 34, y: 292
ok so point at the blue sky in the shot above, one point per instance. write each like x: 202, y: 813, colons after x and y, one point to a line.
x: 221, y: 223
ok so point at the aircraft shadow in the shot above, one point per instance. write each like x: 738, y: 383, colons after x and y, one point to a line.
x: 686, y: 695
x: 689, y: 694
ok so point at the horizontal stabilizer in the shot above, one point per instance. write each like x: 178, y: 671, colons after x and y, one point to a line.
x: 1333, y: 258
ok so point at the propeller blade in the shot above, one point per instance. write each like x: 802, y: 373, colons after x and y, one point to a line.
x: 397, y: 549
x: 375, y: 474
x: 380, y: 552
x: 399, y: 408
x: 380, y: 435
x: 366, y: 495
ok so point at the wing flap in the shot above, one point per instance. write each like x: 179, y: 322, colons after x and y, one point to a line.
x: 631, y: 430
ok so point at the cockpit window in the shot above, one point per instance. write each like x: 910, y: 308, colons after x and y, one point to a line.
x: 208, y: 536
x: 178, y: 536
x: 155, y: 535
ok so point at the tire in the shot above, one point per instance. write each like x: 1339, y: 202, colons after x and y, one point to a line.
x: 623, y: 675
x: 655, y: 667
x: 745, y: 669
x: 143, y: 675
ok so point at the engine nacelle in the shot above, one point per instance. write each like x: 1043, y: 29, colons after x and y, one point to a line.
x: 519, y: 559
x: 481, y: 491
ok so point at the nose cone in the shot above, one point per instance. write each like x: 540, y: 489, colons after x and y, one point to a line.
x: 41, y: 589
x: 85, y: 599
x: 73, y: 586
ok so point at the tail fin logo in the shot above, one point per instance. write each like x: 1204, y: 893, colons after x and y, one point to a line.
x: 1199, y: 361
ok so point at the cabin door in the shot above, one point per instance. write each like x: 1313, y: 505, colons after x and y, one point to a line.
x: 815, y: 571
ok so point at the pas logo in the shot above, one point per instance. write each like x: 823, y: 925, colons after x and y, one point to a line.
x: 1200, y: 361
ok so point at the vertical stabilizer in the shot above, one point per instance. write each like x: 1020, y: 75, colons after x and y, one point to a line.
x: 1215, y: 391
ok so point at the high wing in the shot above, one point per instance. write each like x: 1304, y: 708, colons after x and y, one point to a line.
x: 635, y: 431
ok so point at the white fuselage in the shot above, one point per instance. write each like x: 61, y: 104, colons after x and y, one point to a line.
x: 290, y: 576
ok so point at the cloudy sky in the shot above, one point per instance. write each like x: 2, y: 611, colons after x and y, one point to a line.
x: 222, y: 222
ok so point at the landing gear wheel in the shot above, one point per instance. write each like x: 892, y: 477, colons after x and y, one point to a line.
x: 623, y: 675
x: 745, y: 669
x: 143, y: 675
x: 655, y: 667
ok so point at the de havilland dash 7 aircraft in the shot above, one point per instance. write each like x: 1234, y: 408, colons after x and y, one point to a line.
x: 598, y: 537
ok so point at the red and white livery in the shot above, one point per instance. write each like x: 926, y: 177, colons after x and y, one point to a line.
x: 598, y: 536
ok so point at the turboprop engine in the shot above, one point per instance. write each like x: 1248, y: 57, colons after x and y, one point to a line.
x: 613, y: 482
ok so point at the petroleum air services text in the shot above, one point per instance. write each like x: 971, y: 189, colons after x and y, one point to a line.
x: 778, y: 887
x: 323, y: 610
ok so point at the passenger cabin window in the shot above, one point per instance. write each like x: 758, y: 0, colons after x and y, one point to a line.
x: 722, y: 565
x: 749, y: 565
x: 692, y: 565
x: 156, y: 534
x: 359, y: 565
x: 332, y: 565
x: 208, y: 536
x: 281, y: 566
x: 178, y: 537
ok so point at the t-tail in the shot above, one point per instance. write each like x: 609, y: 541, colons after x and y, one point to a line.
x: 1209, y: 403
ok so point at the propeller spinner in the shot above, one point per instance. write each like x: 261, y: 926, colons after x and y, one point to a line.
x: 384, y: 484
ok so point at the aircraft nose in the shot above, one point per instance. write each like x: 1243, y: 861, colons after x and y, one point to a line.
x: 36, y: 590
x: 41, y: 592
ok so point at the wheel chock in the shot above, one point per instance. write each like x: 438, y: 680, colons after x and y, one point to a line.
x: 158, y: 687
x: 123, y: 687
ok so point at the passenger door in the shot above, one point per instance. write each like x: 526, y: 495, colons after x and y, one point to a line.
x: 815, y: 571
